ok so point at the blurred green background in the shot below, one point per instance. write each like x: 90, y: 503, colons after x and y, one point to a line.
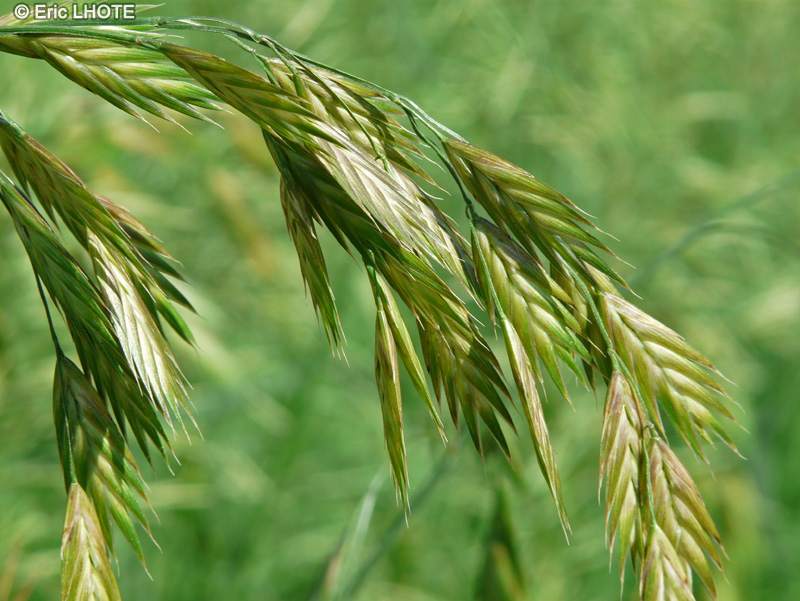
x: 675, y: 123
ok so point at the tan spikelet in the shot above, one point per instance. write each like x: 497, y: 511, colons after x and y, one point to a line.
x: 671, y: 375
x: 86, y: 572
x: 620, y: 458
x: 664, y: 575
x: 680, y: 514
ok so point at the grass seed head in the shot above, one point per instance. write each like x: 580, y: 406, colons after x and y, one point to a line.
x: 349, y: 165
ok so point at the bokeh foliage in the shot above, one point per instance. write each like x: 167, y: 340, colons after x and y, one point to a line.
x: 654, y: 117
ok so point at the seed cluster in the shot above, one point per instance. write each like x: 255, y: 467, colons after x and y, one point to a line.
x: 351, y: 157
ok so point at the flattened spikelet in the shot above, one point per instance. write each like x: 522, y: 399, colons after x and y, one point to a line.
x: 540, y: 218
x: 394, y: 203
x: 128, y: 77
x: 530, y: 299
x: 670, y: 374
x: 534, y: 413
x: 282, y: 114
x: 402, y: 340
x: 154, y: 271
x: 145, y: 348
x: 680, y: 514
x: 94, y: 454
x: 664, y: 575
x: 620, y: 459
x: 298, y: 213
x: 513, y: 300
x: 86, y: 572
x: 387, y: 374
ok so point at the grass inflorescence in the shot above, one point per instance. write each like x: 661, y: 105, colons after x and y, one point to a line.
x: 351, y: 157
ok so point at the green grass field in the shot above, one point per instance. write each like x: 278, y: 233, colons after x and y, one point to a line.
x: 673, y: 122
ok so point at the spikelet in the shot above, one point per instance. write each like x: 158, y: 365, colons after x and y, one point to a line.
x: 387, y: 375
x: 671, y: 375
x: 514, y: 284
x: 540, y: 218
x: 86, y: 572
x: 298, y: 212
x: 128, y: 77
x: 620, y: 460
x: 684, y: 528
x: 282, y: 114
x: 94, y: 454
x: 664, y: 575
x: 145, y: 347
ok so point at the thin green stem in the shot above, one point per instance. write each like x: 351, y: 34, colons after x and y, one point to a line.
x: 435, y: 477
x: 81, y: 29
x: 711, y: 223
x: 351, y: 542
x: 192, y: 23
